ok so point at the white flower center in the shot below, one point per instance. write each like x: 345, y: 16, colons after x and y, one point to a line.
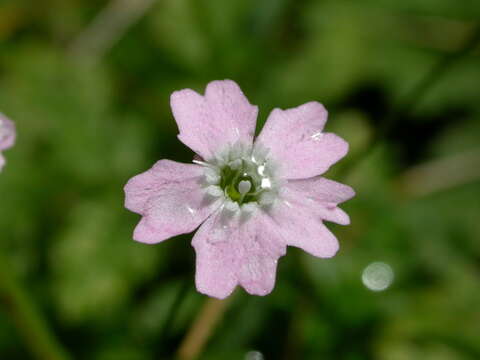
x: 243, y: 176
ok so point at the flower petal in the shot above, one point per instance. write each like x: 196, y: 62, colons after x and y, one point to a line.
x: 322, y: 189
x: 7, y: 137
x: 164, y: 177
x: 263, y: 245
x: 7, y: 133
x: 302, y: 226
x: 297, y: 143
x: 216, y: 259
x: 235, y: 250
x: 209, y: 123
x: 316, y: 206
x: 170, y: 198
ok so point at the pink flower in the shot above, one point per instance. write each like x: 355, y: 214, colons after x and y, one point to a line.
x: 252, y: 197
x: 7, y: 137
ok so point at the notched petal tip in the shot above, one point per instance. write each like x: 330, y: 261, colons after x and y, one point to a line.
x: 147, y: 233
x: 222, y: 84
x: 349, y: 193
x: 329, y: 247
x: 258, y: 289
x: 327, y: 252
x: 214, y: 293
x: 225, y: 88
x: 182, y: 94
x: 312, y: 110
x: 330, y: 254
x: 345, y: 220
x: 143, y: 233
x: 314, y: 107
x: 129, y: 189
x: 336, y: 148
x: 342, y: 147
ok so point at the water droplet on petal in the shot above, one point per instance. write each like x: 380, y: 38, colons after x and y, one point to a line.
x: 317, y: 136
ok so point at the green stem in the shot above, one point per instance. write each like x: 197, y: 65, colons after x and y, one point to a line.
x: 30, y: 324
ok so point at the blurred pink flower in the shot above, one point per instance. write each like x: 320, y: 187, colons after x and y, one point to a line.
x: 7, y: 137
x: 252, y: 198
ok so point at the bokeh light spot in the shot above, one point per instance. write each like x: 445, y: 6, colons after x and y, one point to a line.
x: 254, y: 355
x: 377, y: 276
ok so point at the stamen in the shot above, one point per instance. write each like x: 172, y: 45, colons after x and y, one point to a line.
x: 249, y: 207
x: 261, y: 170
x: 243, y: 176
x: 231, y: 206
x: 235, y: 164
x: 212, y: 176
x: 267, y: 198
x: 214, y: 190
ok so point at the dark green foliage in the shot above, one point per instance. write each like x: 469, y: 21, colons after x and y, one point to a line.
x: 88, y: 123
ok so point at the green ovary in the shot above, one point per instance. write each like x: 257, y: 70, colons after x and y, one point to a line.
x: 230, y: 180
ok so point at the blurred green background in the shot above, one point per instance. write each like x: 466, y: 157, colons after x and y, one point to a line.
x: 88, y: 85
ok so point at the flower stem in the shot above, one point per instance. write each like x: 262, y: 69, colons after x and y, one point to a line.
x: 30, y: 324
x: 202, y: 327
x: 108, y: 27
